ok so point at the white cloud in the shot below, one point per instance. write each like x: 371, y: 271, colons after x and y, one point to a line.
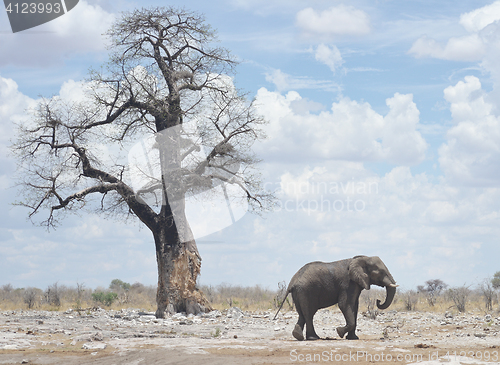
x: 286, y: 82
x: 351, y: 131
x: 467, y: 48
x: 329, y: 56
x: 411, y: 220
x: 336, y: 21
x: 77, y: 32
x: 478, y: 19
x: 13, y: 103
x: 471, y: 155
x: 481, y: 42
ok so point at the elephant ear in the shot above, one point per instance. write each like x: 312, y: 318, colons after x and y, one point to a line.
x: 357, y: 272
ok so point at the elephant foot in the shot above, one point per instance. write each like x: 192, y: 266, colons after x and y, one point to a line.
x: 312, y: 337
x: 352, y: 337
x: 297, y: 333
x: 341, y: 331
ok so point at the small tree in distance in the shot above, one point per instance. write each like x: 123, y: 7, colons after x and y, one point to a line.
x: 495, y: 281
x: 432, y: 289
x: 164, y: 76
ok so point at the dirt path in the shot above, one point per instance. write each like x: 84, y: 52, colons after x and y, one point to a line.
x: 131, y: 337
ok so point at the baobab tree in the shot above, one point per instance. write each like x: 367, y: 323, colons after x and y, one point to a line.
x: 167, y: 84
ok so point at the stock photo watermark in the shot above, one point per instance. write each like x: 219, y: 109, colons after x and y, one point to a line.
x: 333, y: 356
x: 331, y: 196
x: 29, y: 14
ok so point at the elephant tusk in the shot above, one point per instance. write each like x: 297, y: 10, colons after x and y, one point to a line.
x: 393, y: 285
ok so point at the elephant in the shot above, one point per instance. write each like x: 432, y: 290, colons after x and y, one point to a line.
x: 322, y: 284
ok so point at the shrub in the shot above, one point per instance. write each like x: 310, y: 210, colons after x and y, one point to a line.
x: 496, y: 280
x: 459, y: 296
x: 29, y: 297
x: 488, y: 292
x: 117, y: 284
x: 410, y: 299
x: 52, y: 295
x: 432, y: 289
x: 104, y: 298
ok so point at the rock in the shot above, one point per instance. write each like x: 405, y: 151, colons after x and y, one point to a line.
x: 10, y: 347
x: 235, y: 312
x: 147, y: 314
x: 97, y: 337
x: 480, y: 335
x: 147, y: 318
x: 213, y: 314
x: 179, y: 316
x: 94, y: 346
x: 448, y: 315
x: 487, y: 318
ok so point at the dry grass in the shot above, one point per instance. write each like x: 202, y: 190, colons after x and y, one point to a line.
x: 61, y: 298
x: 254, y: 298
x: 222, y: 297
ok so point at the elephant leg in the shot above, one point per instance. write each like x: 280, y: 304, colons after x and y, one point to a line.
x: 310, y: 332
x: 351, y: 335
x: 349, y: 312
x: 299, y: 327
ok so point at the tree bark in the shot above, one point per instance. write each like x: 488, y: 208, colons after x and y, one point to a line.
x: 179, y: 265
x: 177, y: 256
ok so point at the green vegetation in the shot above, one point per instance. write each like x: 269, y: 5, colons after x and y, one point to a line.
x: 60, y: 297
x: 434, y: 296
x: 104, y: 298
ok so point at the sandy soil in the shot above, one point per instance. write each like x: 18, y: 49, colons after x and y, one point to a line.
x: 131, y: 337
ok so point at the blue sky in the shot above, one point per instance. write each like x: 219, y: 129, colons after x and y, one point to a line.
x: 385, y: 112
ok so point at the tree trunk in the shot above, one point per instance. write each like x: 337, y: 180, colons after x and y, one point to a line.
x: 177, y: 256
x: 179, y: 265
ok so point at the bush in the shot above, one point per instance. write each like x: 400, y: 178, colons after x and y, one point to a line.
x: 410, y: 299
x: 432, y: 289
x: 117, y: 284
x: 488, y: 293
x: 29, y: 297
x: 104, y: 298
x: 496, y: 280
x: 459, y: 296
x: 52, y: 295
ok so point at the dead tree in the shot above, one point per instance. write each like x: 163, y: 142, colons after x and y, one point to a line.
x: 166, y: 83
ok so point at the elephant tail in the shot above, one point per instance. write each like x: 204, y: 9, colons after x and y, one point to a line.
x: 282, y: 302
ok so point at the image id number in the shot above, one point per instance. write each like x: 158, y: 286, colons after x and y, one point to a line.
x: 32, y: 8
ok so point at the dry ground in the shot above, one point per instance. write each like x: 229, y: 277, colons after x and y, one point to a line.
x: 131, y: 337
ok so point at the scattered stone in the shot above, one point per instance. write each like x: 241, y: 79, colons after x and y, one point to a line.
x: 94, y: 346
x: 97, y: 337
x: 480, y: 335
x: 10, y: 347
x: 213, y: 314
x: 235, y: 312
x: 424, y: 346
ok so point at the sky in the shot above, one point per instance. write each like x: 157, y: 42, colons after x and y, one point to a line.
x: 383, y: 139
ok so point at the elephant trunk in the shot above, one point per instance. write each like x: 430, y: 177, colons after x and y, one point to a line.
x: 390, y: 292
